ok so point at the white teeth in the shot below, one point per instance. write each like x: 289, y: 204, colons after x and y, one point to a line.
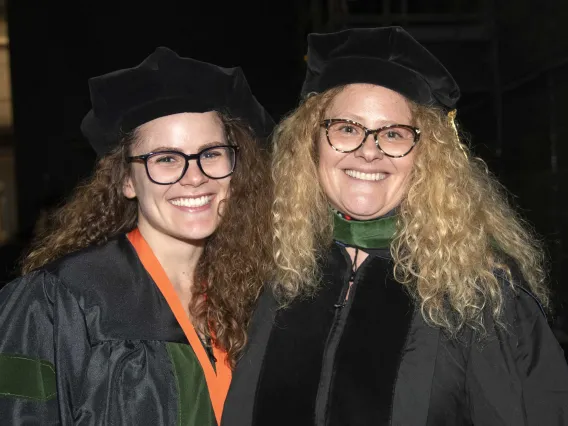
x: 365, y: 176
x: 192, y: 202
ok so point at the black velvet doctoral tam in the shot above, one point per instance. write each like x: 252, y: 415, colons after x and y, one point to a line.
x: 165, y: 84
x: 388, y: 57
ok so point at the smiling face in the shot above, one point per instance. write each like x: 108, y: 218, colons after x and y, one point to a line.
x: 188, y: 210
x: 365, y: 184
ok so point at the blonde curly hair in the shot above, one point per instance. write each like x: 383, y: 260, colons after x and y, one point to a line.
x: 455, y: 227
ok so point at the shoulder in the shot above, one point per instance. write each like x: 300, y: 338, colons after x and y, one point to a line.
x: 518, y: 297
x: 521, y: 330
x: 99, y: 272
x: 98, y: 257
x: 520, y: 363
x: 36, y: 285
x: 77, y: 272
x: 95, y: 260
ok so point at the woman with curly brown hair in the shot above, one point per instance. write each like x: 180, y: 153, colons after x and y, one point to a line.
x: 413, y: 294
x: 134, y: 304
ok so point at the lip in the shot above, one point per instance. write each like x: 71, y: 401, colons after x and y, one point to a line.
x: 202, y: 194
x: 381, y: 175
x: 193, y: 209
x: 363, y: 170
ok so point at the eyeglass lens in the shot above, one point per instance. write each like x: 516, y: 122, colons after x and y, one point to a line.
x: 168, y: 167
x: 394, y: 141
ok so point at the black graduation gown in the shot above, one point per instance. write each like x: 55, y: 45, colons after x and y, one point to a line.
x: 374, y: 361
x: 90, y: 340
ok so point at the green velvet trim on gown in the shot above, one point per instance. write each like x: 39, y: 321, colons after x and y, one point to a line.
x: 369, y: 234
x: 194, y: 403
x: 24, y: 377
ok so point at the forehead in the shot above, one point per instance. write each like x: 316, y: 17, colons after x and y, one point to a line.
x: 184, y: 131
x: 369, y: 101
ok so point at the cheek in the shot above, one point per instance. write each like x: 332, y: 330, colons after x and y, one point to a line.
x: 404, y: 171
x: 139, y: 186
x: 146, y: 191
x: 327, y: 159
x: 323, y: 154
x: 407, y: 165
x: 225, y: 187
x: 324, y: 174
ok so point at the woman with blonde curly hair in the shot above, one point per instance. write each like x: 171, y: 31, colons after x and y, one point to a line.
x: 134, y: 304
x: 407, y: 290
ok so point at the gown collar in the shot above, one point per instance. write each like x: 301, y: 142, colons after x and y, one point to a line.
x: 365, y: 234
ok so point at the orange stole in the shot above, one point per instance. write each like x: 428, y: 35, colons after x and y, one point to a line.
x: 217, y: 383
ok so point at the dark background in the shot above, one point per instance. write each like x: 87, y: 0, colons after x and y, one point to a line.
x: 510, y: 58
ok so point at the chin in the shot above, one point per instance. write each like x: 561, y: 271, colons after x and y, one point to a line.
x: 365, y: 216
x: 364, y: 212
x: 197, y: 234
x: 190, y: 232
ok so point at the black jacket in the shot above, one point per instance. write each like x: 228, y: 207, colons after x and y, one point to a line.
x: 374, y: 360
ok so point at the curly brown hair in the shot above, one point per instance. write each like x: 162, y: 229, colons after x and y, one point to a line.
x: 237, y: 257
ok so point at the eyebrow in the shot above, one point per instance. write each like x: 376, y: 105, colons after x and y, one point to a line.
x: 352, y: 117
x: 358, y: 119
x: 177, y: 149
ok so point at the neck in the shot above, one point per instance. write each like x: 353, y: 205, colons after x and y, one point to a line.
x: 178, y: 258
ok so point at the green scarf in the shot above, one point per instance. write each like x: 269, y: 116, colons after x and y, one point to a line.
x: 366, y: 234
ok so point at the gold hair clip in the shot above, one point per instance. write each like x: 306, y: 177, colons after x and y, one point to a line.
x: 452, y: 117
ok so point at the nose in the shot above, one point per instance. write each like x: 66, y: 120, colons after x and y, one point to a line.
x: 193, y: 176
x: 369, y: 150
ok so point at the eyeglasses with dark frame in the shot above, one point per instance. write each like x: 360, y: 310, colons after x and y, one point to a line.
x: 169, y: 167
x: 401, y: 138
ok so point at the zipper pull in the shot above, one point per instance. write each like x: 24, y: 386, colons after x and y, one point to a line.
x: 342, y: 304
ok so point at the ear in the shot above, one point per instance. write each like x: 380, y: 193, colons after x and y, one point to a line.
x: 128, y: 188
